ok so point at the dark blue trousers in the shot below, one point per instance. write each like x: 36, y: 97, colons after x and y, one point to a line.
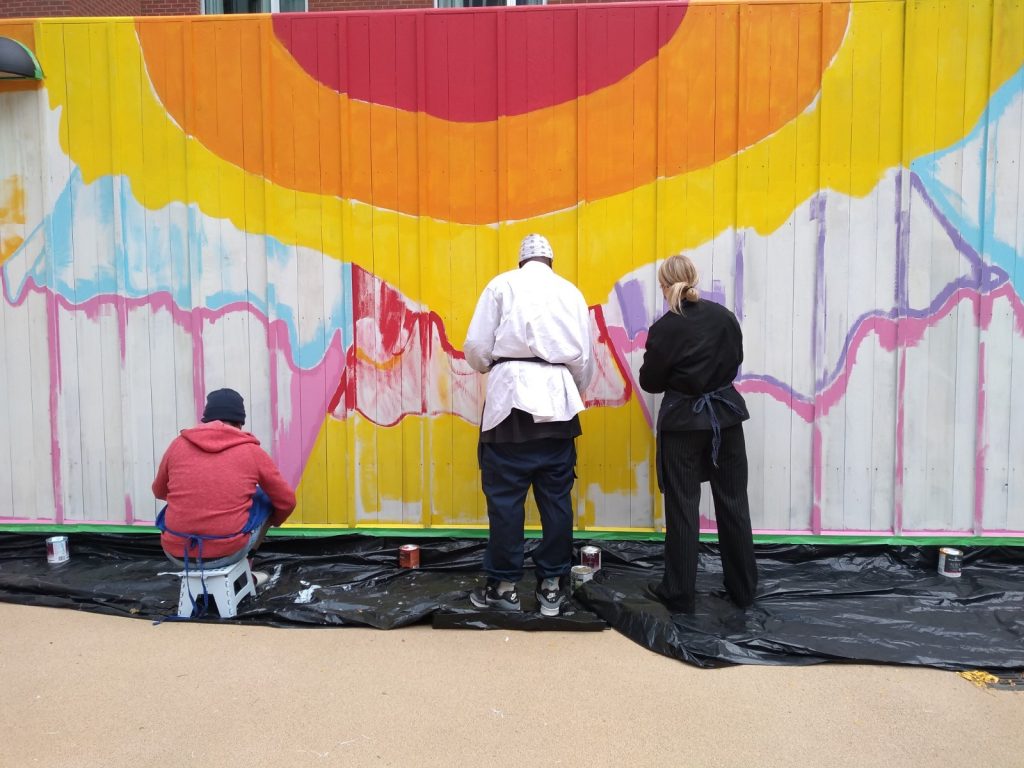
x: 508, y: 470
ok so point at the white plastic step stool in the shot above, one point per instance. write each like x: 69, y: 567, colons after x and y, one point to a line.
x: 220, y: 585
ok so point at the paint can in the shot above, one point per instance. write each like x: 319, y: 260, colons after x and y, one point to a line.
x: 591, y: 557
x: 580, y: 575
x: 950, y: 562
x: 409, y: 556
x: 57, y: 550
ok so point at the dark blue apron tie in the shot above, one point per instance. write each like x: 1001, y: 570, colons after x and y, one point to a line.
x: 195, y: 541
x: 707, y: 400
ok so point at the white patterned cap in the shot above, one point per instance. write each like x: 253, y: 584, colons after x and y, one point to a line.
x: 535, y: 246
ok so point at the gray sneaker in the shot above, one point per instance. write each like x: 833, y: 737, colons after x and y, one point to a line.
x: 550, y: 600
x: 487, y: 596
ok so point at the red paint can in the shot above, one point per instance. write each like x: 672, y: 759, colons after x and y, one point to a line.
x: 590, y: 556
x: 409, y: 556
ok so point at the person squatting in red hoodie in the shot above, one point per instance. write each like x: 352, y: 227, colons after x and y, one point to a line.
x: 217, y: 481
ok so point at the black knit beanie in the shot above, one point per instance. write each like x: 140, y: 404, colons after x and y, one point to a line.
x: 224, y: 405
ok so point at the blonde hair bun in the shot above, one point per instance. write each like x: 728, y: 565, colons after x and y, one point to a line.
x: 678, y: 277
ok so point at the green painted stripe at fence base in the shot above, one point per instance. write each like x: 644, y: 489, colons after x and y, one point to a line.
x: 603, y: 535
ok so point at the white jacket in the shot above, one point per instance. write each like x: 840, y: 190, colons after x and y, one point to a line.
x: 531, y: 312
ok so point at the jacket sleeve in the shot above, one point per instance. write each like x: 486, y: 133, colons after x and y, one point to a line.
x: 479, y: 346
x: 582, y: 368
x: 657, y: 363
x: 160, y: 482
x: 275, y: 486
x: 739, y: 339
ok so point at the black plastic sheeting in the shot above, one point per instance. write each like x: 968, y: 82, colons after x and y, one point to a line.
x: 349, y: 580
x: 828, y: 603
x: 815, y: 603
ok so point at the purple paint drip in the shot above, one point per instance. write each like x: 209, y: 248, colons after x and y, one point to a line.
x: 763, y: 378
x: 983, y: 278
x: 902, y: 247
x: 716, y: 294
x: 630, y: 295
x: 737, y: 274
x: 817, y: 211
x: 978, y: 266
x: 962, y: 283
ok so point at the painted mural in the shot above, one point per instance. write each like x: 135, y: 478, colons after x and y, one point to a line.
x: 305, y: 208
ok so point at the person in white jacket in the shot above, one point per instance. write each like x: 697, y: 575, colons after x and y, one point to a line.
x: 531, y: 334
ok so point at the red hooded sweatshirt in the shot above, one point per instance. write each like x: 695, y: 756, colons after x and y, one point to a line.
x: 208, y: 477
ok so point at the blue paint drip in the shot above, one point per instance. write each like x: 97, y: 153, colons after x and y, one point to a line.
x: 152, y: 253
x: 981, y: 237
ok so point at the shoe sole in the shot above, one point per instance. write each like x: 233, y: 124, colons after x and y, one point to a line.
x: 496, y: 606
x: 546, y: 609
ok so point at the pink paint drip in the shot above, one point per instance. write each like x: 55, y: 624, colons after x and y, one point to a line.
x: 161, y: 300
x: 195, y: 329
x: 891, y: 332
x: 293, y: 443
x: 802, y: 408
x: 621, y: 346
x: 53, y: 351
x: 901, y: 388
x: 986, y: 309
x: 816, y: 470
x: 981, y: 447
x: 122, y: 328
x: 1004, y: 291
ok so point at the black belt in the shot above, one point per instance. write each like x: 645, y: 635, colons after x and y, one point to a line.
x: 500, y: 360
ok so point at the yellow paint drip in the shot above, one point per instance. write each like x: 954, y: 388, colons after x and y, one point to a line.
x: 423, y: 471
x: 12, y: 215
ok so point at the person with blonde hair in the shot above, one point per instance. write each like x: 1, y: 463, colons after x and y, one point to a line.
x: 693, y: 354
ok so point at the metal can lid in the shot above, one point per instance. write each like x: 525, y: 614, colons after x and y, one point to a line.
x: 590, y: 550
x: 582, y: 570
x: 409, y: 547
x: 55, y: 539
x: 951, y: 551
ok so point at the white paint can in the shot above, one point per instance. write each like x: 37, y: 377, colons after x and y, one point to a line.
x: 950, y: 562
x: 580, y: 575
x: 57, y: 550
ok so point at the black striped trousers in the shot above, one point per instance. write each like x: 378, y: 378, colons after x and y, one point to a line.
x: 687, y: 461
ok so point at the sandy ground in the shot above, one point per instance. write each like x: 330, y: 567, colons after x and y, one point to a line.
x: 79, y: 689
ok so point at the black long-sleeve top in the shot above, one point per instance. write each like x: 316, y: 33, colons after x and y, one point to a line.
x: 693, y: 354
